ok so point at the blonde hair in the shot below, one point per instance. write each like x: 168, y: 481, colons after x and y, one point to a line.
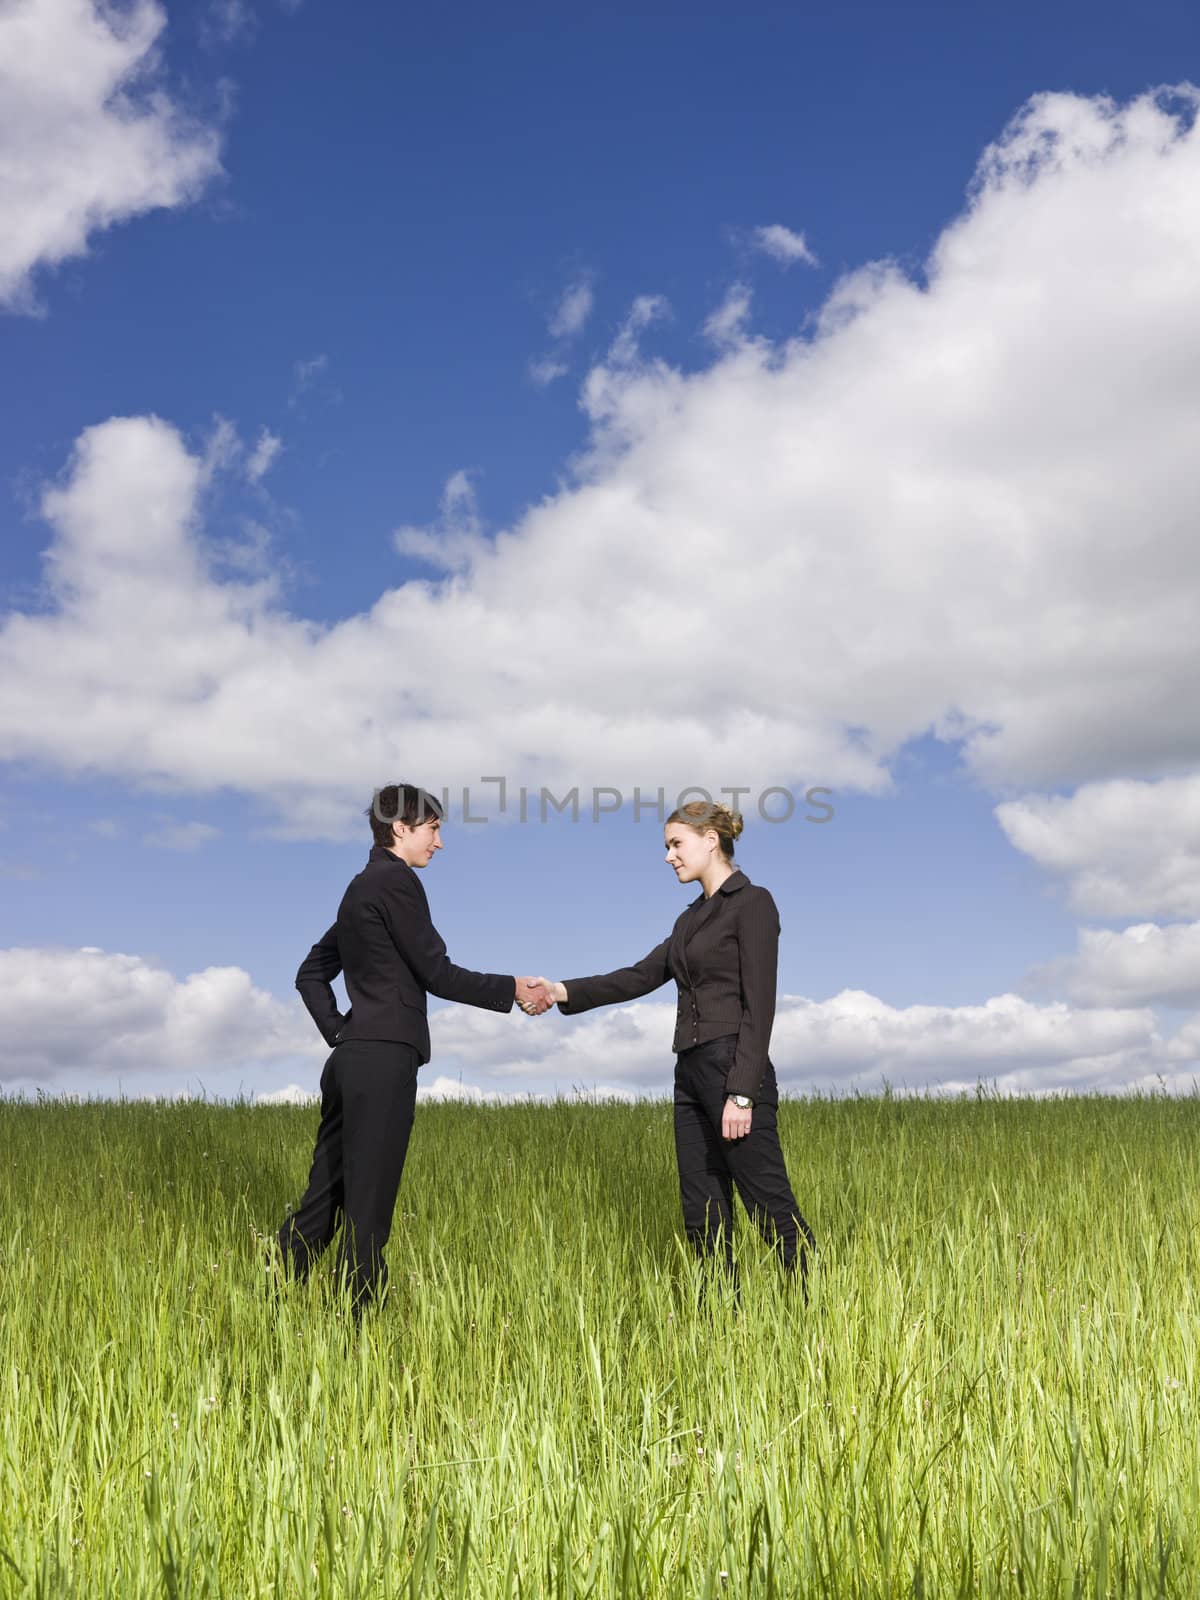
x: 705, y: 814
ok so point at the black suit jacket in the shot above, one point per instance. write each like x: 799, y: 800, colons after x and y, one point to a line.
x: 385, y: 942
x: 723, y: 953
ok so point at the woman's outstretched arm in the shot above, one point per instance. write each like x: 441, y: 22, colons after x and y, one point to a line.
x: 614, y: 988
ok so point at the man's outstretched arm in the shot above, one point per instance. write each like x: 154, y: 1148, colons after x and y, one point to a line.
x: 315, y: 982
x: 406, y: 914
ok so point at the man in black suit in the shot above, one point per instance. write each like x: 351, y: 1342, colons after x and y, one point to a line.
x: 385, y: 942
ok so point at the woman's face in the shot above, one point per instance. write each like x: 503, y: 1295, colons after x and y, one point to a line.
x: 688, y: 850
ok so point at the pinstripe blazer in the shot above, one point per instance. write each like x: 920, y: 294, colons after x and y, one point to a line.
x: 723, y: 954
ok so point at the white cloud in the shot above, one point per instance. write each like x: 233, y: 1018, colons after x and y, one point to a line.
x: 537, y: 1052
x: 305, y: 375
x: 306, y: 369
x: 291, y: 1095
x: 1127, y: 848
x: 1142, y: 965
x: 1184, y: 1047
x: 623, y: 354
x: 455, y: 540
x: 784, y: 246
x: 263, y: 456
x: 89, y: 136
x: 69, y: 1011
x: 545, y: 370
x: 184, y: 836
x: 227, y: 20
x: 727, y: 324
x: 445, y: 1088
x: 65, y: 1012
x: 646, y: 310
x: 853, y: 1041
x: 573, y: 310
x: 442, y: 1088
x: 565, y: 323
x: 953, y: 509
x: 859, y: 1041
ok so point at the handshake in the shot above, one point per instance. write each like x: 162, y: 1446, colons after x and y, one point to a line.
x: 535, y: 995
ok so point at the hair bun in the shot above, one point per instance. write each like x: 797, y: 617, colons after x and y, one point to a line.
x: 705, y: 814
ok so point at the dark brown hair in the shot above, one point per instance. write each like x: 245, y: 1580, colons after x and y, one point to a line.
x: 400, y: 802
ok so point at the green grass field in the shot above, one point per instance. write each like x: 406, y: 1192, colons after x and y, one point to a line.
x: 993, y: 1389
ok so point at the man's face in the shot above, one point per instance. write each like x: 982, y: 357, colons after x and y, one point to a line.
x: 419, y: 845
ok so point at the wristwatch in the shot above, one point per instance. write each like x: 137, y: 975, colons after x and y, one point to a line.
x: 742, y: 1101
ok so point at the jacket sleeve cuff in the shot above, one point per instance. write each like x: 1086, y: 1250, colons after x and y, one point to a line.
x: 745, y: 1078
x: 576, y: 1000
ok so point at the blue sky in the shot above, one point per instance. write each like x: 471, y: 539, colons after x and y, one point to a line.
x: 796, y: 398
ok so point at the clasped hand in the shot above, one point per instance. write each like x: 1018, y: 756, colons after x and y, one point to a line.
x: 535, y: 995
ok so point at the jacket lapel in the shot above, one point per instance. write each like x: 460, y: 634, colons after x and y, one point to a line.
x: 701, y: 915
x: 694, y: 918
x: 675, y: 954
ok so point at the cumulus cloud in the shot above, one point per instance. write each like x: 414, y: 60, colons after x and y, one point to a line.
x: 89, y: 135
x: 850, y: 1042
x: 619, y: 1043
x: 291, y: 1095
x: 455, y: 540
x: 1126, y: 848
x: 63, y: 1011
x: 68, y: 1011
x: 949, y: 508
x: 446, y: 1088
x: 859, y: 1041
x: 784, y: 246
x: 1183, y: 1048
x: 1142, y: 965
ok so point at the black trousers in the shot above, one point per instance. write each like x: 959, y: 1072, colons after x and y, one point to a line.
x: 710, y: 1167
x: 368, y: 1097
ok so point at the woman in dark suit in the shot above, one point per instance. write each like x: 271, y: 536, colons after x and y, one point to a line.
x: 722, y: 954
